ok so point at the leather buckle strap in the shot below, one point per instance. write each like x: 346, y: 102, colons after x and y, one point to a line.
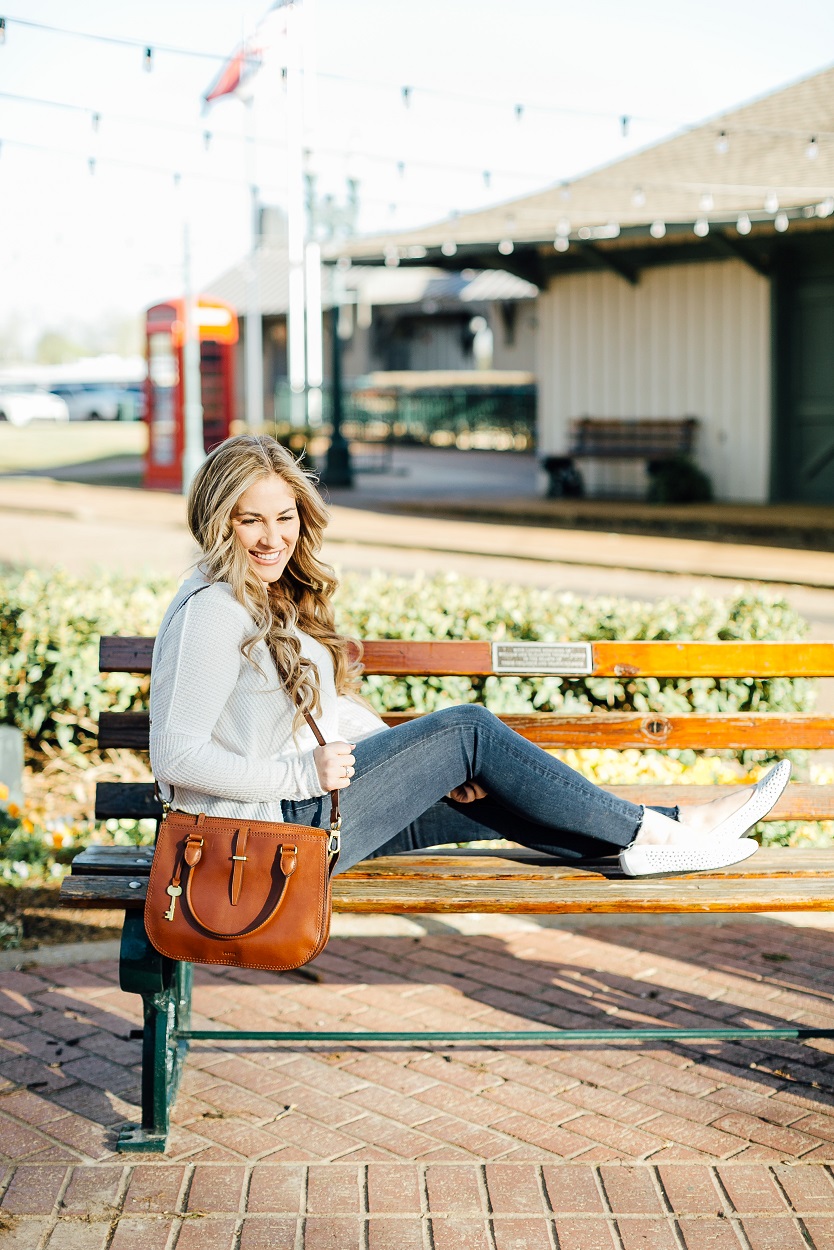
x: 238, y: 861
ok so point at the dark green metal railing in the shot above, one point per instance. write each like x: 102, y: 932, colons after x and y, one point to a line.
x: 490, y: 417
x: 505, y: 1035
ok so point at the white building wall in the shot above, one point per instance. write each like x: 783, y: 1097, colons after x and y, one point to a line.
x: 687, y: 340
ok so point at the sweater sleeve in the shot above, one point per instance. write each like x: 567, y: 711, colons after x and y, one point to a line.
x: 356, y: 721
x: 195, y: 673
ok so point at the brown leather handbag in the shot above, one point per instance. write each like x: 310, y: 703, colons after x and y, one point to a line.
x: 247, y: 893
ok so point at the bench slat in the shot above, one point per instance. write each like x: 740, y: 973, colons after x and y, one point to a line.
x: 126, y: 800
x: 131, y: 800
x: 774, y: 880
x: 619, y: 730
x: 619, y: 659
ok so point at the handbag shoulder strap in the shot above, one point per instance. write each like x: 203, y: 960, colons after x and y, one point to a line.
x: 335, y: 813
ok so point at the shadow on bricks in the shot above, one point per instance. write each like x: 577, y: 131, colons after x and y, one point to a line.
x: 71, y: 1073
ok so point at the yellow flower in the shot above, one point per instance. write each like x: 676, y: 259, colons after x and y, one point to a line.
x: 13, y: 810
x: 28, y: 827
x: 4, y: 792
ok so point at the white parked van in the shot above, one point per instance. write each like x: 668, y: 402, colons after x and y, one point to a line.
x: 22, y: 402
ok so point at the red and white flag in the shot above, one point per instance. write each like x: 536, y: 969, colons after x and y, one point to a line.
x: 247, y: 59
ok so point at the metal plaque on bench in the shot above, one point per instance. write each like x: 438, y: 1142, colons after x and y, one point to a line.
x: 568, y: 659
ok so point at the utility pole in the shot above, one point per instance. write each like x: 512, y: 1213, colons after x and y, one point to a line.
x: 194, y: 449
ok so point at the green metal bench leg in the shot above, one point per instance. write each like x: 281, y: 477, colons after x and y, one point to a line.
x: 165, y: 987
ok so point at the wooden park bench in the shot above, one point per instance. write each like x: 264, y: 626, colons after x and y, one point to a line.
x: 618, y: 438
x: 656, y: 440
x: 511, y: 880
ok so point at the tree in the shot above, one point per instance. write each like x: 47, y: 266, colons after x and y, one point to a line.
x: 55, y: 348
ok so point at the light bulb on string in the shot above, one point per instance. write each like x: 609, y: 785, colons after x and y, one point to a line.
x: 147, y: 60
x: 743, y: 225
x: 506, y: 247
x: 405, y: 92
x: 813, y: 149
x: 706, y: 202
x: 487, y: 177
x: 449, y: 247
x: 401, y: 168
x: 780, y: 222
x: 722, y: 143
x: 561, y: 243
x: 177, y: 179
x: 562, y: 227
x: 2, y: 30
x: 207, y: 137
x: 519, y: 112
x: 95, y: 121
x: 657, y: 229
x: 638, y: 197
x: 701, y: 227
x: 392, y: 256
x: 825, y: 208
x: 91, y: 164
x: 771, y: 202
x: 625, y: 121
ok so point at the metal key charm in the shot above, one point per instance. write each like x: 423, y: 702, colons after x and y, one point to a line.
x: 174, y: 891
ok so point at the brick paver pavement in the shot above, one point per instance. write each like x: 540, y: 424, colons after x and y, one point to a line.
x: 696, y: 1145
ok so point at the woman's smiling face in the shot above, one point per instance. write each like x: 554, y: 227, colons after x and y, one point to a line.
x: 266, y: 524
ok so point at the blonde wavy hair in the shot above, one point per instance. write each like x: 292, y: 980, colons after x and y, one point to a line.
x: 302, y: 595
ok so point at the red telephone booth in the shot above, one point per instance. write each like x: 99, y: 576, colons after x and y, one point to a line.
x: 165, y: 408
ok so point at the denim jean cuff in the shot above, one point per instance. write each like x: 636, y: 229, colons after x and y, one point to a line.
x: 674, y: 813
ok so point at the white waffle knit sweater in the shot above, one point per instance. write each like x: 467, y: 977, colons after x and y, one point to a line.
x: 221, y: 732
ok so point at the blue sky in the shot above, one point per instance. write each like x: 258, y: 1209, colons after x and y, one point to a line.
x: 78, y: 245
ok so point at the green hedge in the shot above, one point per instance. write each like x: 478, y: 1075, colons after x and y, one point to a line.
x: 447, y: 606
x: 51, y: 688
x: 50, y: 685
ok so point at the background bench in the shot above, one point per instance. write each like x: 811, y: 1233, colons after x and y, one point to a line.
x: 655, y: 440
x: 490, y: 881
x: 618, y: 438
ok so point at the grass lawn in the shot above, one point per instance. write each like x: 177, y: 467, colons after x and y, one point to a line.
x: 48, y: 445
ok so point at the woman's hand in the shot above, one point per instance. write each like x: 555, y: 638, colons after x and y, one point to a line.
x: 467, y: 793
x: 334, y: 764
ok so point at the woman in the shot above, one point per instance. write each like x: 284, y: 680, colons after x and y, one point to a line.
x: 249, y: 645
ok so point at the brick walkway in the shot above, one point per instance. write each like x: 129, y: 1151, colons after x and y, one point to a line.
x: 406, y: 1206
x: 602, y: 1147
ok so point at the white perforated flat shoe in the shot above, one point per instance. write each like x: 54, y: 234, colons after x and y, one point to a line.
x: 767, y: 793
x: 701, y: 854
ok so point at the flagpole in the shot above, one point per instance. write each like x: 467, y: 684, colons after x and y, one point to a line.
x: 296, y: 354
x: 253, y: 342
x: 312, y: 250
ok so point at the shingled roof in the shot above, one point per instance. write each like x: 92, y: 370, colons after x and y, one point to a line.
x: 750, y: 160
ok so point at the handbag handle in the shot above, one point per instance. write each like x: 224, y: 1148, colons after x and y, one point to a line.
x: 289, y: 859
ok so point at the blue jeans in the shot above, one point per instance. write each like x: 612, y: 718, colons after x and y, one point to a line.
x: 396, y: 799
